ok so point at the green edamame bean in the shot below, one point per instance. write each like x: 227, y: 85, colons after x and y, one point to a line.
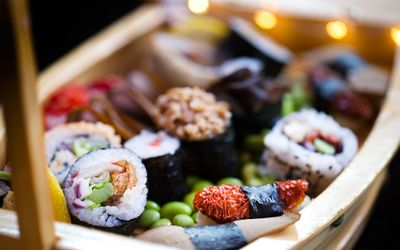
x: 267, y: 179
x: 254, y: 181
x: 161, y: 222
x: 170, y: 209
x: 249, y: 170
x: 230, y: 180
x: 194, y: 216
x: 188, y: 199
x: 191, y: 180
x: 152, y: 205
x: 183, y: 220
x: 148, y: 217
x: 201, y: 184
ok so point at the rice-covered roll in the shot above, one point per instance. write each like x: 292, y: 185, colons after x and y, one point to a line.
x: 203, y: 125
x: 66, y: 142
x: 106, y: 189
x: 162, y: 158
x: 311, y: 145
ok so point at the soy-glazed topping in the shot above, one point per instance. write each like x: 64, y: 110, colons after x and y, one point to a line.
x: 191, y: 113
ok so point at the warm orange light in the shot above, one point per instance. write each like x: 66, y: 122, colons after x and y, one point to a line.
x: 395, y: 34
x: 265, y: 19
x: 336, y: 29
x: 198, y: 6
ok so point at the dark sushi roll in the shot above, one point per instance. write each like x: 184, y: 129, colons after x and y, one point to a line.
x: 66, y: 142
x: 106, y: 189
x: 203, y: 125
x: 228, y: 202
x: 162, y: 158
x: 246, y: 40
x: 332, y: 93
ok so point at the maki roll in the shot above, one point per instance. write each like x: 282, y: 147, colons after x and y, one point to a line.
x: 106, y: 189
x: 228, y: 202
x: 204, y: 126
x: 246, y: 40
x: 162, y: 158
x: 310, y: 145
x: 65, y: 143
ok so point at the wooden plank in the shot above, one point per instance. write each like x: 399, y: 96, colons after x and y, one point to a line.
x: 373, y: 13
x: 24, y: 128
x: 72, y: 237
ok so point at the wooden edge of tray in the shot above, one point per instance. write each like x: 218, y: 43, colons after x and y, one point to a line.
x: 367, y: 12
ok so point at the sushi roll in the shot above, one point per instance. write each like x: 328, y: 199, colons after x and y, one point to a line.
x: 65, y: 143
x: 310, y: 145
x: 162, y: 158
x: 229, y: 202
x: 246, y: 40
x: 106, y: 189
x: 203, y: 125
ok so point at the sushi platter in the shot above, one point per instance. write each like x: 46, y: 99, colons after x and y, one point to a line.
x: 170, y: 129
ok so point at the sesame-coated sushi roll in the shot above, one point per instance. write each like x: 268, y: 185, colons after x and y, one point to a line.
x: 106, y: 189
x: 203, y: 125
x: 311, y: 145
x: 162, y: 158
x: 65, y: 143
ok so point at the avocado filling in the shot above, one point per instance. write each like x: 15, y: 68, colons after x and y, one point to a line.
x: 312, y: 139
x: 94, y: 189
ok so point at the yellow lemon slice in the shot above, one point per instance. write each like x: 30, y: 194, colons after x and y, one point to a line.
x: 58, y: 202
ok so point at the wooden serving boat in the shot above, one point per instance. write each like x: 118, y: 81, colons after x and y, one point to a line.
x: 334, y: 219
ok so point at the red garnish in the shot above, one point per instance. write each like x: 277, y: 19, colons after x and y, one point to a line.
x: 292, y: 192
x: 156, y: 142
x: 105, y: 84
x: 223, y: 203
x: 64, y: 101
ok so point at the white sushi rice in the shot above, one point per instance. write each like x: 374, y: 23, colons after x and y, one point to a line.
x: 286, y: 159
x: 60, y: 161
x: 132, y: 202
x: 149, y: 145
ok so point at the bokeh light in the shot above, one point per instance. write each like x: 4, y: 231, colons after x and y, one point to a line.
x: 198, y: 6
x: 336, y: 29
x: 395, y: 34
x: 265, y: 19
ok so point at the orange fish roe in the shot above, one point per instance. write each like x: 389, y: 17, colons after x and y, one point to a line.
x: 292, y: 192
x: 223, y: 203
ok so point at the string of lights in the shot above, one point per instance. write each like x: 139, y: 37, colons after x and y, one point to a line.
x: 267, y: 19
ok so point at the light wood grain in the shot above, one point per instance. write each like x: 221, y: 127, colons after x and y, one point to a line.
x: 24, y: 130
x: 345, y: 196
x: 369, y: 12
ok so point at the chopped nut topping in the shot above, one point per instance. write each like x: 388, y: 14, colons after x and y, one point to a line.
x: 191, y: 113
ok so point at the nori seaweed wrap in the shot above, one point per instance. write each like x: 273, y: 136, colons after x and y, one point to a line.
x: 245, y: 40
x: 214, y: 158
x: 204, y: 127
x: 162, y: 157
x: 106, y: 189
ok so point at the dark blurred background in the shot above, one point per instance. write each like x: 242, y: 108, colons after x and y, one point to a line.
x: 59, y: 26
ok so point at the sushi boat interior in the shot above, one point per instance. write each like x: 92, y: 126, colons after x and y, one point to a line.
x: 207, y: 124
